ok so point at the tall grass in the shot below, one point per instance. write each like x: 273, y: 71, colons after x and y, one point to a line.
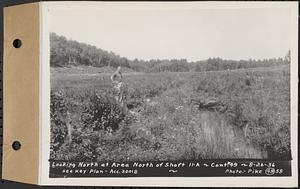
x: 165, y: 124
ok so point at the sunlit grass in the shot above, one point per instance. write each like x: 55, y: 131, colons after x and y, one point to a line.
x: 167, y: 125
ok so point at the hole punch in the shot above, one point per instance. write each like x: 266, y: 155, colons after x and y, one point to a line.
x: 16, y: 145
x: 17, y: 43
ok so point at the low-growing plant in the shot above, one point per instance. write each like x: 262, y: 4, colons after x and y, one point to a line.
x: 58, y: 128
x: 102, y: 112
x: 163, y: 124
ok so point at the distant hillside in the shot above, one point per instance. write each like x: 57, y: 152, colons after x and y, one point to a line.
x: 65, y: 53
x: 69, y: 52
x: 214, y: 64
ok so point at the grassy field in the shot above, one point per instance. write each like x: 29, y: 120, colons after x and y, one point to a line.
x: 166, y: 120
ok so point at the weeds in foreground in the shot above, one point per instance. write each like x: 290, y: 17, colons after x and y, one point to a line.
x: 165, y: 125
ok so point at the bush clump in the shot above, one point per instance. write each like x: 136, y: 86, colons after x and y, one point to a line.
x: 102, y: 113
x: 58, y: 113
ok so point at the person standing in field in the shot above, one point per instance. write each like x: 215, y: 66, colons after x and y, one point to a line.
x: 117, y: 83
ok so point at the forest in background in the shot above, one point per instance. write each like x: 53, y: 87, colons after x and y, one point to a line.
x: 66, y: 53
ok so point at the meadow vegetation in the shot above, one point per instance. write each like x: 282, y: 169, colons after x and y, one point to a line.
x: 165, y: 120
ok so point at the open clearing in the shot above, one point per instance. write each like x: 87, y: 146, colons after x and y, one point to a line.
x: 166, y: 121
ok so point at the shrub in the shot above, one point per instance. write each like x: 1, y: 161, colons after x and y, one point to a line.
x: 102, y: 113
x: 58, y: 113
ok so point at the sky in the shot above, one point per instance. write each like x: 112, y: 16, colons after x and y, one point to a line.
x: 189, y: 33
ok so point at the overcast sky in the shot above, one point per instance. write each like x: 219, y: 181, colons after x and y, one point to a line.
x: 194, y: 34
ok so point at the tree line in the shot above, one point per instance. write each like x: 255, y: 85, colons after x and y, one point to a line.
x: 65, y: 53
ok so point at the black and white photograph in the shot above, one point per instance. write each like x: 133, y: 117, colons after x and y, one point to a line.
x: 153, y: 83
